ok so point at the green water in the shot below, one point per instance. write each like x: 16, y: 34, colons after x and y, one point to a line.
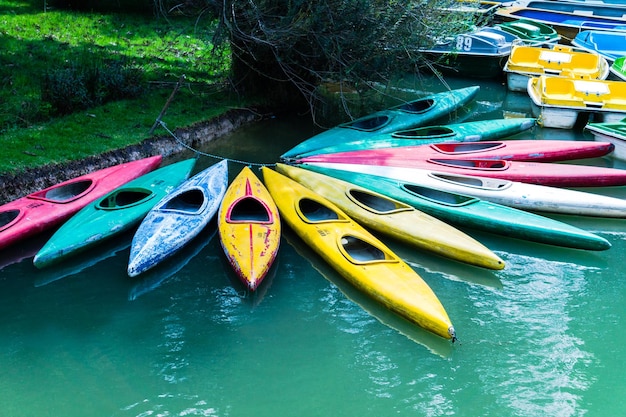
x: 543, y: 337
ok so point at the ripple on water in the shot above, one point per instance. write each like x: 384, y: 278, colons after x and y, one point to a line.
x: 534, y: 309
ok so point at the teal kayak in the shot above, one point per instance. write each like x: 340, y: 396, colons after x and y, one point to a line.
x: 406, y: 116
x: 116, y: 212
x: 472, y: 212
x: 481, y: 130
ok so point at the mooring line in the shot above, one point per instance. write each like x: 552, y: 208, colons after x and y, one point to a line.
x: 238, y: 161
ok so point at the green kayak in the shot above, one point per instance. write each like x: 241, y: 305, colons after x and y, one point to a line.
x: 406, y: 116
x: 481, y: 130
x: 467, y: 211
x: 116, y: 212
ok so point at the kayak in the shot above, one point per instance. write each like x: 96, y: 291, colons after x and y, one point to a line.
x: 541, y: 173
x: 411, y: 114
x: 177, y: 218
x: 112, y: 214
x: 249, y: 228
x: 468, y: 211
x: 514, y: 150
x: 45, y: 209
x: 396, y: 219
x: 509, y: 193
x: 357, y: 255
x: 482, y: 130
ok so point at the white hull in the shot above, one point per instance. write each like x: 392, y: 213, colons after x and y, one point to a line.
x: 565, y: 117
x: 516, y: 81
x: 510, y: 193
x: 619, y: 142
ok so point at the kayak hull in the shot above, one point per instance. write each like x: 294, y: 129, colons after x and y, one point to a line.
x: 519, y: 195
x: 116, y: 212
x: 512, y: 150
x: 482, y: 130
x: 472, y: 212
x: 412, y: 114
x: 249, y: 228
x: 48, y: 208
x: 396, y: 219
x: 178, y: 218
x: 377, y: 272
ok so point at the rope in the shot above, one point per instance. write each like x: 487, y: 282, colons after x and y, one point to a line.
x: 238, y: 161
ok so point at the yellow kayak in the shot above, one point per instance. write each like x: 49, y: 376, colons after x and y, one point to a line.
x: 249, y: 228
x: 357, y: 255
x: 396, y: 219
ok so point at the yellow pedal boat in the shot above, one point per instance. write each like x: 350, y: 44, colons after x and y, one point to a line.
x: 396, y: 219
x: 249, y: 228
x: 558, y: 102
x: 559, y: 61
x: 357, y: 255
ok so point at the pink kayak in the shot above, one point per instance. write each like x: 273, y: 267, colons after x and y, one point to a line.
x: 47, y: 208
x: 514, y: 150
x: 542, y: 173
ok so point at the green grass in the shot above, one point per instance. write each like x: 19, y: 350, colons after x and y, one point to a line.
x: 33, y: 41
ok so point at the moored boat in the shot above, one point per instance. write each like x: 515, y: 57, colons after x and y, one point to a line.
x: 482, y: 130
x: 614, y: 133
x: 608, y: 44
x: 512, y: 150
x: 116, y: 212
x: 177, y: 218
x: 540, y: 173
x: 249, y: 228
x: 396, y: 219
x: 357, y: 255
x: 48, y: 208
x: 515, y: 194
x: 530, y: 32
x: 472, y: 212
x: 558, y: 102
x: 618, y: 69
x: 568, y: 19
x: 414, y: 113
x: 481, y: 53
x: 526, y: 62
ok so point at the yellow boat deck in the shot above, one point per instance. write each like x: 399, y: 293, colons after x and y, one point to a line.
x: 559, y: 61
x: 589, y: 94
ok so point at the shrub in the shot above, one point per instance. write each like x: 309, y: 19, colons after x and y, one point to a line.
x: 79, y: 87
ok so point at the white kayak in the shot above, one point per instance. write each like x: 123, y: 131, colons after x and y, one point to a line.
x: 515, y: 194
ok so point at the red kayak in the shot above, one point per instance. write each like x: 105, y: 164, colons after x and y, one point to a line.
x: 514, y: 150
x: 542, y: 173
x: 47, y: 208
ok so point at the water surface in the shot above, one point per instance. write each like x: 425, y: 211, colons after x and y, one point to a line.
x: 543, y: 337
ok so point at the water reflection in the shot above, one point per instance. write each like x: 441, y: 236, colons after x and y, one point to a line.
x: 546, y: 363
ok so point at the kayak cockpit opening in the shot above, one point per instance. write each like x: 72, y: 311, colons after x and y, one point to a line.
x: 368, y: 123
x: 417, y: 106
x: 359, y: 251
x: 376, y: 203
x: 424, y: 133
x: 248, y: 209
x: 64, y: 193
x: 190, y: 201
x: 313, y: 211
x: 438, y: 196
x: 125, y: 198
x: 7, y: 217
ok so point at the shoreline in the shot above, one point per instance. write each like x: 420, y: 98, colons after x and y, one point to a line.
x: 14, y: 186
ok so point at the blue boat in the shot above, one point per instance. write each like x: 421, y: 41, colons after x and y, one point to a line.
x: 479, y: 54
x: 609, y: 44
x: 567, y: 18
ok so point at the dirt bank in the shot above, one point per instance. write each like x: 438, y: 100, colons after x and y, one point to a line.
x: 15, y: 186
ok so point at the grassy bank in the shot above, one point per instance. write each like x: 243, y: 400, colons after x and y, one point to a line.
x: 35, y: 41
